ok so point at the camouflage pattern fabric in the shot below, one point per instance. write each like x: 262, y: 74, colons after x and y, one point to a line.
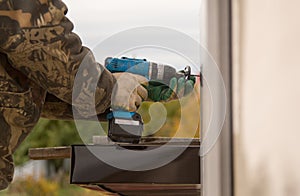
x: 20, y: 107
x: 39, y: 56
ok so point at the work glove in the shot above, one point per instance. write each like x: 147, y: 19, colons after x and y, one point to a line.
x: 128, y: 92
x: 177, y: 88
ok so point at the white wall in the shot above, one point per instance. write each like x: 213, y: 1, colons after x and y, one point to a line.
x: 267, y: 97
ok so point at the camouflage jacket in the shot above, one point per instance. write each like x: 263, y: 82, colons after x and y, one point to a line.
x: 39, y: 51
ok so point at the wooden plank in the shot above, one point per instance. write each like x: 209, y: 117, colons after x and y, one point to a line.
x: 145, y: 189
x: 62, y: 152
x: 149, y: 187
x: 170, y: 141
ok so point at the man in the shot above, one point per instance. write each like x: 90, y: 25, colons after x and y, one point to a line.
x: 39, y: 59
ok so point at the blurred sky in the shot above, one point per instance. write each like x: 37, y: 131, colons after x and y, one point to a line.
x: 96, y: 20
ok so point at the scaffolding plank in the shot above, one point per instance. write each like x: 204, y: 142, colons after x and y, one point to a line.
x: 62, y: 152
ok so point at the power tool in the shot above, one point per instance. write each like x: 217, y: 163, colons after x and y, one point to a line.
x: 127, y: 126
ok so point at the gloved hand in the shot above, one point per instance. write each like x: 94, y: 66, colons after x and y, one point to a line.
x: 177, y: 88
x: 128, y: 92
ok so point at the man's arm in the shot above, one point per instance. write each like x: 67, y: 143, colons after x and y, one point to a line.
x: 56, y: 109
x: 38, y: 40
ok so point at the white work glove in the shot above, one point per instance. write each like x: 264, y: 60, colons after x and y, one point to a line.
x: 128, y: 92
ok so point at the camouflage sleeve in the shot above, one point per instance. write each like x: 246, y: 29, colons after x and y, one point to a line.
x: 56, y: 109
x: 38, y: 40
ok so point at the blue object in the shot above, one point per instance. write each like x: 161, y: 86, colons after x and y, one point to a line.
x: 124, y: 64
x: 125, y: 127
x: 120, y: 114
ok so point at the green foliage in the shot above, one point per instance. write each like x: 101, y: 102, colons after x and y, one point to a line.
x: 47, y: 133
x: 181, y: 118
x: 29, y: 186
